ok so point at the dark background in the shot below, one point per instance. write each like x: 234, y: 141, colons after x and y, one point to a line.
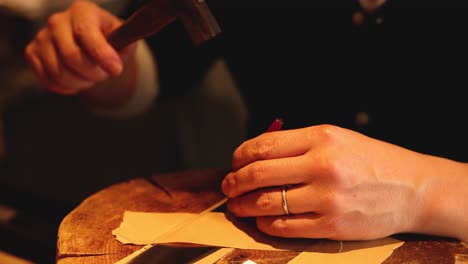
x: 404, y: 66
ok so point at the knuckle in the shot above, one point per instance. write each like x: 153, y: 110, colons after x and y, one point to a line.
x: 278, y: 227
x: 230, y: 187
x: 255, y: 173
x: 80, y: 29
x: 265, y: 201
x: 331, y: 168
x: 42, y: 36
x: 263, y: 148
x: 326, y: 133
x: 29, y: 51
x: 333, y: 227
x: 54, y: 20
x: 327, y: 165
x: 237, y: 155
x: 241, y: 151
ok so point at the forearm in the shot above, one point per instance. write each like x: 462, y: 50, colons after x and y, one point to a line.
x: 128, y: 94
x: 445, y: 210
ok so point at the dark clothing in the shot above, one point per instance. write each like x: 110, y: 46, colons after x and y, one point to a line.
x: 403, y: 66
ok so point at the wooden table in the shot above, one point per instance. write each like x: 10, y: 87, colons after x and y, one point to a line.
x: 84, y: 235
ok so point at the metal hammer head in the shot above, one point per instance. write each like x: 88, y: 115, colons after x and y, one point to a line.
x: 156, y: 14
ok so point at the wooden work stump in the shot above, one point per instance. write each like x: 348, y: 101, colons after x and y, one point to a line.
x: 85, y: 234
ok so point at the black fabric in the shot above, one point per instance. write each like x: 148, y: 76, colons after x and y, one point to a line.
x: 404, y: 66
x: 180, y: 62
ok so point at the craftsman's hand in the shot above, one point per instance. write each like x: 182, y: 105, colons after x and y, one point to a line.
x: 71, y: 53
x: 344, y: 185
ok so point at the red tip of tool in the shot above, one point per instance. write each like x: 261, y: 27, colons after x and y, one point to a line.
x: 276, y: 125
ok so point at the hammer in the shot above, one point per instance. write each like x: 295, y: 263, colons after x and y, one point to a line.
x: 195, y: 16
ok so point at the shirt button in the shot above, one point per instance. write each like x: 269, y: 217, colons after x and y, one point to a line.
x: 358, y: 18
x: 361, y: 119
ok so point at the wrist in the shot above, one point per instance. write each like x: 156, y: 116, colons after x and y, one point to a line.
x: 444, y: 208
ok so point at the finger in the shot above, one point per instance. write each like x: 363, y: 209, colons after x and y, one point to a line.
x: 312, y: 225
x: 57, y: 77
x: 89, y: 33
x: 263, y: 202
x: 35, y: 64
x: 70, y: 53
x: 269, y: 202
x: 39, y: 71
x: 272, y: 145
x: 267, y: 173
x: 308, y: 225
x: 287, y: 143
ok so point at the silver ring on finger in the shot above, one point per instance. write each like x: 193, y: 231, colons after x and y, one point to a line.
x: 284, y: 201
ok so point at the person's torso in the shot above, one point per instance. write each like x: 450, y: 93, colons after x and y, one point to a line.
x: 396, y: 74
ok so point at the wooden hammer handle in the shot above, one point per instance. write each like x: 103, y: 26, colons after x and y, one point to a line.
x: 155, y: 15
x: 146, y: 21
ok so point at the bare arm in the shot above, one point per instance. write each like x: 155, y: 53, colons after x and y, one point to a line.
x: 445, y: 206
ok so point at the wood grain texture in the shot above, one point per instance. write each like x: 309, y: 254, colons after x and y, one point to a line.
x: 426, y: 249
x: 258, y: 256
x: 85, y: 234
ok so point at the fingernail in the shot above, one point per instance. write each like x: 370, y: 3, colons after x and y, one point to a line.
x: 227, y: 186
